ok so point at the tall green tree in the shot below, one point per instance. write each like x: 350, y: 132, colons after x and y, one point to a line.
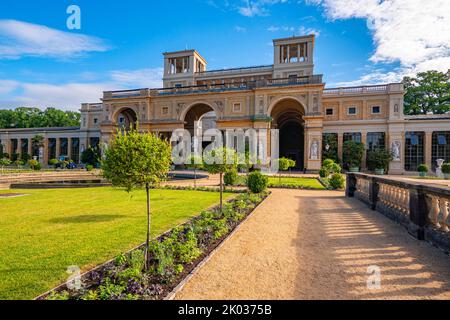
x: 134, y: 160
x: 428, y: 92
x: 36, y: 118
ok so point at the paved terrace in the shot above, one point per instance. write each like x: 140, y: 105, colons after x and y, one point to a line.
x: 318, y: 245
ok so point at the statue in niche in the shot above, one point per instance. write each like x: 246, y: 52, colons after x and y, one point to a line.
x: 396, y: 150
x: 314, y: 150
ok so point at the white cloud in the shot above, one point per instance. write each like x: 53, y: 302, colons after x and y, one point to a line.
x: 414, y: 33
x: 21, y: 39
x: 240, y: 29
x: 142, y: 78
x: 7, y: 86
x: 65, y: 96
x: 257, y: 7
x: 69, y: 96
x: 299, y: 31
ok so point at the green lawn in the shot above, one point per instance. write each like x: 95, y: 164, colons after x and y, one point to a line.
x: 46, y: 231
x: 307, y: 183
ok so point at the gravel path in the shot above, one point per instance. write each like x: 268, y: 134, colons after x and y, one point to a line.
x: 318, y: 245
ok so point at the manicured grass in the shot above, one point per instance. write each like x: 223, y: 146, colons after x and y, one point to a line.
x: 306, y: 183
x: 46, y: 231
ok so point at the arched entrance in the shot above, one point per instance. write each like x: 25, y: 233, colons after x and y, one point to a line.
x: 126, y: 119
x: 200, y: 117
x: 287, y: 117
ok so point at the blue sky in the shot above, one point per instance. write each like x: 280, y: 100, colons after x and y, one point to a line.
x: 120, y: 43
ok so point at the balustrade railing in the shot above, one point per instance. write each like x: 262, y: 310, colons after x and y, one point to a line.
x: 423, y: 209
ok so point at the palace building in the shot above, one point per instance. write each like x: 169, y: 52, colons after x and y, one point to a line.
x: 286, y: 95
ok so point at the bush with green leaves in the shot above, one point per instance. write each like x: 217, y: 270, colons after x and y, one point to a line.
x: 323, y: 172
x: 337, y: 181
x: 19, y: 163
x: 89, y: 167
x: 53, y: 162
x: 353, y: 153
x: 34, y: 165
x: 92, y: 156
x: 257, y: 182
x: 230, y: 177
x: 446, y: 168
x: 423, y: 168
x: 378, y: 159
x: 4, y: 162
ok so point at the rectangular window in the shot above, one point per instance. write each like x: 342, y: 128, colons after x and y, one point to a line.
x: 165, y: 110
x: 414, y: 150
x: 351, y: 111
x: 51, y: 148
x: 352, y: 136
x: 75, y: 150
x: 95, y: 120
x: 236, y: 107
x: 64, y: 147
x: 376, y: 109
x: 440, y: 147
x: 375, y: 140
x: 178, y: 85
x: 329, y: 111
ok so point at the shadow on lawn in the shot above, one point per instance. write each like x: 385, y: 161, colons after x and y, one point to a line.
x: 87, y: 218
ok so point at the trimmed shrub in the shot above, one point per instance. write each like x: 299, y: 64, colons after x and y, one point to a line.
x: 422, y: 168
x: 337, y: 181
x: 446, y: 168
x: 230, y: 177
x: 89, y: 167
x: 327, y: 163
x: 257, y: 182
x: 323, y: 172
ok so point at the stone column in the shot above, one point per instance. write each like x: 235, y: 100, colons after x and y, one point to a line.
x: 69, y: 148
x: 364, y: 141
x: 45, y: 155
x: 340, y: 138
x: 19, y: 148
x: 7, y: 147
x: 30, y: 148
x: 428, y: 148
x: 58, y: 148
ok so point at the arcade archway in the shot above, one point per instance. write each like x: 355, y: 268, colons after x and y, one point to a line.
x: 287, y: 117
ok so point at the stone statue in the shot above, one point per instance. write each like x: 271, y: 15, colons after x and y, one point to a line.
x: 315, y: 150
x: 396, y: 150
x: 439, y: 163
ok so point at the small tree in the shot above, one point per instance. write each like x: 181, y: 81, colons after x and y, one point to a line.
x: 219, y: 161
x: 134, y: 160
x: 195, y: 163
x: 19, y: 163
x: 4, y: 162
x: 284, y: 164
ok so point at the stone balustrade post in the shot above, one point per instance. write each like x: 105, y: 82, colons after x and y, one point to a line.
x: 350, y: 185
x: 373, y: 193
x: 418, y: 212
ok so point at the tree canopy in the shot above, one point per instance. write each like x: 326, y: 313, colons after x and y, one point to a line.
x: 428, y: 92
x: 36, y: 118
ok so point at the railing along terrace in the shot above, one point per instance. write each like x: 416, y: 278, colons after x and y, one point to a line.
x: 422, y: 209
x: 230, y: 86
x: 357, y: 90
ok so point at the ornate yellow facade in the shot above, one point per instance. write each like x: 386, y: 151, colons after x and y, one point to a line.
x: 286, y: 95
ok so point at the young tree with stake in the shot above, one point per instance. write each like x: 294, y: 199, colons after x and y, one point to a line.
x: 219, y: 161
x: 137, y: 160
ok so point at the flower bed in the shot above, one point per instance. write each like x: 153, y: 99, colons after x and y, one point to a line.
x: 173, y: 256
